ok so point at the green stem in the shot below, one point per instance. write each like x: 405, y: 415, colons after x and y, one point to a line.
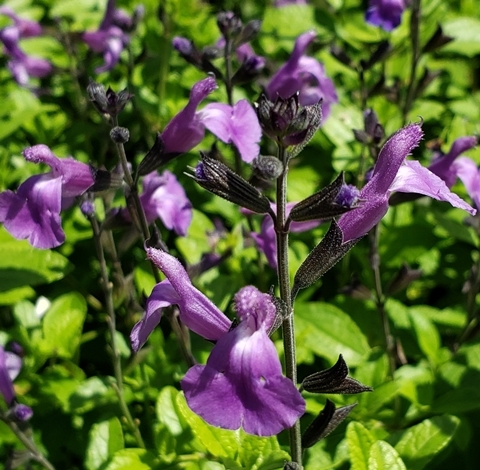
x: 380, y: 298
x: 27, y: 442
x: 285, y: 293
x: 181, y: 333
x: 416, y: 52
x: 229, y: 89
x: 111, y: 321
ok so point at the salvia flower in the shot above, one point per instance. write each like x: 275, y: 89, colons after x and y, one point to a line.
x: 164, y: 198
x: 236, y: 124
x: 242, y: 383
x: 10, y: 365
x: 21, y: 65
x: 467, y: 171
x: 442, y: 163
x: 393, y: 172
x: 385, y: 13
x: 33, y: 211
x: 26, y: 28
x: 111, y: 37
x: 304, y: 75
x: 197, y: 312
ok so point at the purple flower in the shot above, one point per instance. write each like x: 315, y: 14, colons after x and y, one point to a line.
x: 26, y: 28
x: 467, y: 170
x: 393, y: 172
x: 21, y: 65
x: 385, y: 13
x: 266, y: 239
x: 197, y: 312
x: 163, y: 197
x: 10, y: 365
x: 186, y: 129
x: 304, y: 75
x: 232, y: 124
x: 33, y: 212
x: 242, y: 383
x: 442, y: 163
x: 111, y: 37
x: 236, y: 124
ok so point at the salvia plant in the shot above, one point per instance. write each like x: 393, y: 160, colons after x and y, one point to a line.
x: 239, y: 235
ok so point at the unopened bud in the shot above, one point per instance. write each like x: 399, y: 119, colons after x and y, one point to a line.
x: 219, y: 179
x: 267, y: 167
x: 119, y: 135
x: 20, y: 412
x: 107, y: 102
x: 229, y: 24
x: 288, y: 123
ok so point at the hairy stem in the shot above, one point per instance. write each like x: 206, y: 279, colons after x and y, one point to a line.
x: 288, y: 330
x: 111, y: 321
x: 27, y: 442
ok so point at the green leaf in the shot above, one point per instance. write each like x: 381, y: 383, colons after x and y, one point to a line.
x: 63, y: 323
x: 23, y: 265
x: 19, y: 106
x: 420, y: 443
x: 370, y: 403
x: 360, y: 440
x: 133, y: 459
x: 216, y: 441
x: 466, y: 32
x: 384, y: 457
x: 460, y: 400
x: 105, y: 438
x: 426, y: 333
x: 168, y: 412
x: 92, y: 393
x: 327, y: 331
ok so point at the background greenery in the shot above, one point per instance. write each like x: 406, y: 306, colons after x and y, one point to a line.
x: 424, y: 415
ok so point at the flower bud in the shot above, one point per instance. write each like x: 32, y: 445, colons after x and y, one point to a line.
x: 335, y: 199
x: 267, y: 167
x: 107, y: 102
x: 219, y: 179
x: 328, y: 419
x: 229, y: 24
x: 248, y: 32
x: 20, y: 412
x: 120, y: 135
x: 333, y: 380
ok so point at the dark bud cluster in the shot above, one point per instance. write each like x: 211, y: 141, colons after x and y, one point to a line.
x: 250, y: 69
x: 120, y: 135
x: 334, y: 380
x: 336, y: 199
x: 155, y: 157
x: 287, y: 123
x: 232, y: 28
x: 199, y: 59
x: 265, y: 170
x: 219, y: 179
x: 107, y: 102
x: 322, y: 258
x: 373, y: 132
x: 328, y: 419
